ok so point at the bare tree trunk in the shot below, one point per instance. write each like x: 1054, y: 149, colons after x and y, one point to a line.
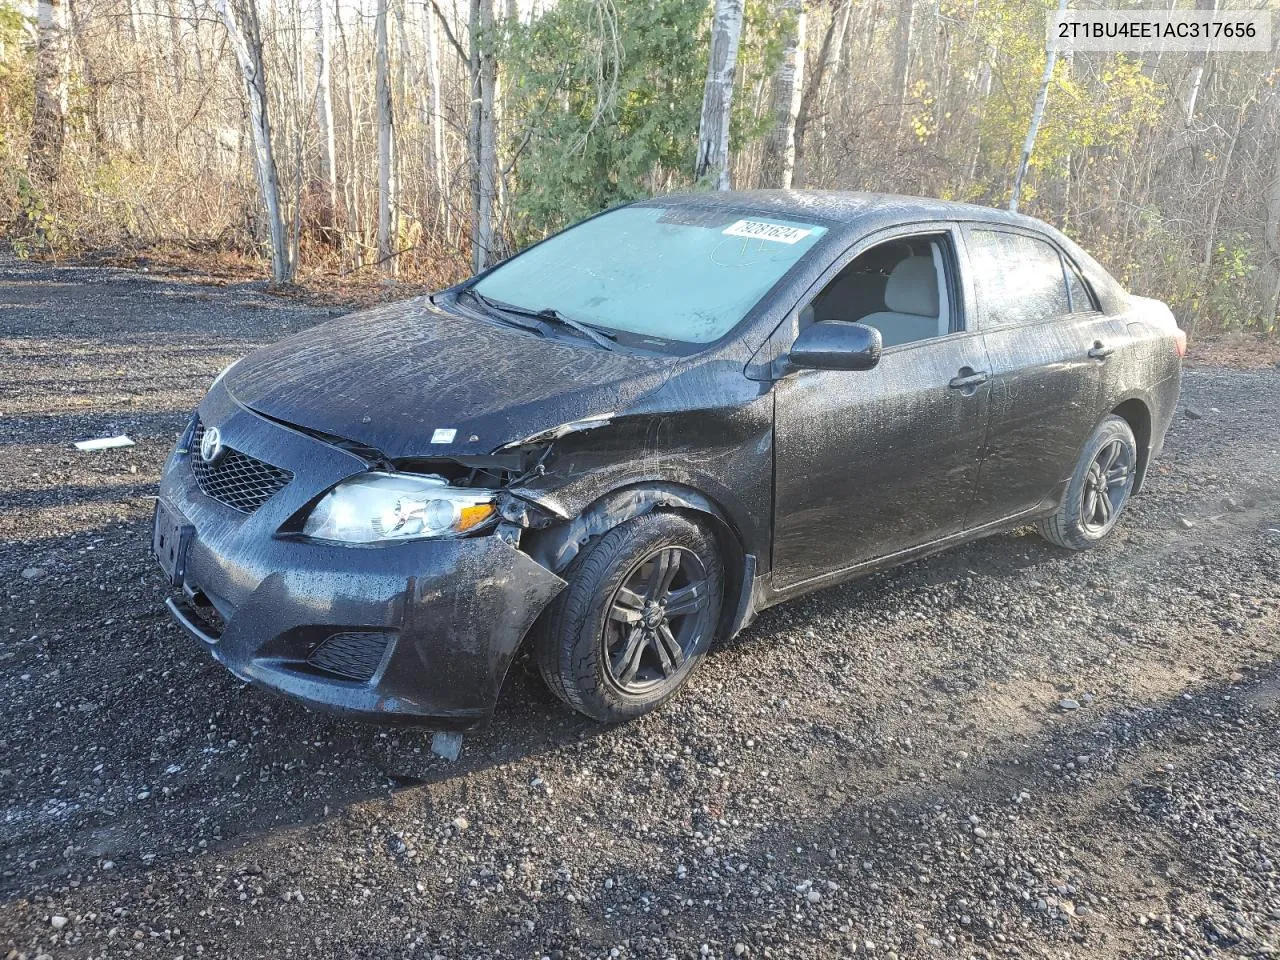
x: 92, y: 83
x: 177, y: 59
x: 483, y: 133
x: 386, y: 145
x: 984, y: 91
x: 1197, y: 72
x: 350, y: 183
x: 1215, y: 207
x: 1273, y: 238
x: 779, y: 165
x: 295, y: 115
x: 819, y: 83
x: 246, y: 41
x: 1037, y: 114
x: 717, y: 95
x: 324, y: 117
x: 438, y: 156
x: 140, y: 117
x: 53, y: 67
x: 902, y: 62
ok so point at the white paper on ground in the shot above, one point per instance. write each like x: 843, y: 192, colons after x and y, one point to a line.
x: 104, y: 443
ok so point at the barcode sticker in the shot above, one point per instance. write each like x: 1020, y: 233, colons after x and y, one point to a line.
x: 759, y: 230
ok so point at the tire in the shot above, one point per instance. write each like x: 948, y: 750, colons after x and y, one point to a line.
x: 601, y: 647
x: 1085, y: 517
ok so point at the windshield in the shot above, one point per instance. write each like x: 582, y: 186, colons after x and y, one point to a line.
x: 676, y: 273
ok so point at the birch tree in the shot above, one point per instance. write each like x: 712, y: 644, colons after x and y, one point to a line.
x: 53, y: 67
x: 246, y: 41
x: 717, y: 97
x: 439, y: 159
x: 483, y: 133
x: 324, y: 113
x: 779, y: 164
x: 1194, y: 81
x: 819, y: 83
x: 1037, y: 114
x: 386, y: 145
x: 902, y: 62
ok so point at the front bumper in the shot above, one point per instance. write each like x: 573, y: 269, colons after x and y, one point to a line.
x: 436, y: 622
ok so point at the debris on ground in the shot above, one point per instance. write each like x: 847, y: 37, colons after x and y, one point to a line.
x: 103, y: 443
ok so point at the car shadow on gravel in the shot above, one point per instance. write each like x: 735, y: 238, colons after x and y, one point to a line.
x: 1150, y: 800
x: 125, y: 741
x: 1010, y: 555
x: 186, y: 735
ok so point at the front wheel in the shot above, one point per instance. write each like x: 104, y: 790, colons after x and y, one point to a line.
x: 640, y: 610
x: 1099, y: 489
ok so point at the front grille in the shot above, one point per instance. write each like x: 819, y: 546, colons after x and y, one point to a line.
x: 353, y: 656
x: 240, y: 481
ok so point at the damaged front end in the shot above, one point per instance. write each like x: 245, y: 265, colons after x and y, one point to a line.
x: 559, y: 488
x: 416, y: 629
x: 511, y: 475
x: 398, y: 584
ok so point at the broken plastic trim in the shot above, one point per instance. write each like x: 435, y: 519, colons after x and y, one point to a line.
x: 555, y: 433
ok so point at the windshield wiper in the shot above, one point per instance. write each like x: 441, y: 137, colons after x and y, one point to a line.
x: 501, y: 311
x: 602, y: 337
x: 546, y: 315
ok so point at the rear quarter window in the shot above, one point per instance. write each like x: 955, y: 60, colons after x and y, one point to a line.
x: 1019, y: 279
x: 1082, y: 299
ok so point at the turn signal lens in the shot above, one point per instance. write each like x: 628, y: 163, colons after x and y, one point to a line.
x: 472, y: 516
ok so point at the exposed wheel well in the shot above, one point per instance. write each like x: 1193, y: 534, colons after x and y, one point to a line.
x: 1136, y: 413
x: 733, y: 555
x: 556, y: 546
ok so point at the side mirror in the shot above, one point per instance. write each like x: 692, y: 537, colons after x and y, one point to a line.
x: 835, y: 345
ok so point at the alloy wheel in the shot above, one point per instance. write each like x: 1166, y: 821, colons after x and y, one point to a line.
x: 1107, y: 486
x: 656, y: 619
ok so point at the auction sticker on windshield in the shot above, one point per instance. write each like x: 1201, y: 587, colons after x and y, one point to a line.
x: 760, y: 230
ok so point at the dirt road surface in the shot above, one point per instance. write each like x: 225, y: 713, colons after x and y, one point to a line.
x: 1001, y: 751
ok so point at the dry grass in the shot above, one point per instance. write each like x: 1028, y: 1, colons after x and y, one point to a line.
x: 1242, y: 350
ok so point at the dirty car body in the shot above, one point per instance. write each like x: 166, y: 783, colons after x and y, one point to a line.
x: 965, y: 421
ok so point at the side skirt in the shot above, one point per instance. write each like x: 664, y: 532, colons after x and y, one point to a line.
x: 767, y: 596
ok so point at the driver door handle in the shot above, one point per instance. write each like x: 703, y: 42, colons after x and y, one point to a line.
x: 1101, y: 351
x: 969, y: 379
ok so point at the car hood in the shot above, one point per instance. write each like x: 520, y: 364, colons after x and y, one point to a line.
x: 399, y: 378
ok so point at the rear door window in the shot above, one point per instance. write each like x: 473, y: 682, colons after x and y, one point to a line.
x: 1019, y: 279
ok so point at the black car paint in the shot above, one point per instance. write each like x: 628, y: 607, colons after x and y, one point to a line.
x: 807, y: 478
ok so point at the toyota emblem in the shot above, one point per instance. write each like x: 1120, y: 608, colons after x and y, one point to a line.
x: 211, y: 445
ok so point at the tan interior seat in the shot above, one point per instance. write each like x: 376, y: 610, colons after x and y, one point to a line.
x: 911, y: 296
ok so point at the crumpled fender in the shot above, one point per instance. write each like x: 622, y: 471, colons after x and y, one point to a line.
x: 555, y: 548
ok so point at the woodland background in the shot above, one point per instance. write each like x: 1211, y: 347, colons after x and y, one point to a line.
x: 417, y: 140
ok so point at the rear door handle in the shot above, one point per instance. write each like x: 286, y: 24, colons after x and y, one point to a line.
x: 1101, y: 351
x: 969, y: 379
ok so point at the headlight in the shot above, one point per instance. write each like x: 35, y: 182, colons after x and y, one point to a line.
x: 374, y: 507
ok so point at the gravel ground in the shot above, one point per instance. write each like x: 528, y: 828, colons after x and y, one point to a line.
x: 1001, y: 751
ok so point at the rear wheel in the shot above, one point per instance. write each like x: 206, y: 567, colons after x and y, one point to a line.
x: 640, y: 610
x: 1099, y: 489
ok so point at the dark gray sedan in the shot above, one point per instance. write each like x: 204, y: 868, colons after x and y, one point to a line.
x: 624, y: 442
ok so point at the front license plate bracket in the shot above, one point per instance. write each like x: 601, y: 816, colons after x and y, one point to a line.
x: 170, y: 538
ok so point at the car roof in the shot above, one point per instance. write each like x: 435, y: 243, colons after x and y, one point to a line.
x: 847, y: 212
x: 853, y: 208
